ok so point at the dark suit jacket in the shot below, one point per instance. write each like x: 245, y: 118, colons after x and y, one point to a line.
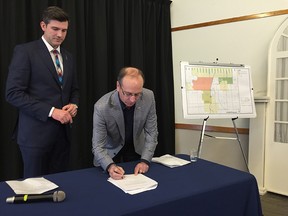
x: 33, y: 87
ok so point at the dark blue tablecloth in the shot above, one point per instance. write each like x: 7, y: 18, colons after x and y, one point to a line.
x: 200, y: 189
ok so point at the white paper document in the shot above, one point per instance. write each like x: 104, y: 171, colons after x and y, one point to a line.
x: 32, y: 185
x: 170, y: 161
x: 134, y: 184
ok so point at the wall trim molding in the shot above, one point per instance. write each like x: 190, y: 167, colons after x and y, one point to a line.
x: 231, y: 20
x: 211, y: 128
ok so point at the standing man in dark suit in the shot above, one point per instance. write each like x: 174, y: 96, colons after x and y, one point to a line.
x: 42, y: 85
x: 125, y: 125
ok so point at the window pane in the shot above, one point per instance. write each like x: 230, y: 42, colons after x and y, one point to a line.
x: 281, y: 111
x: 281, y: 90
x: 280, y: 134
x: 282, y: 68
x: 283, y: 43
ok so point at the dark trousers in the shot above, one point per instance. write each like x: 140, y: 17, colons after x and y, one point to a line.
x: 43, y: 161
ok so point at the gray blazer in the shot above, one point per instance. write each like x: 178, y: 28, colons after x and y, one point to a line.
x: 109, y: 129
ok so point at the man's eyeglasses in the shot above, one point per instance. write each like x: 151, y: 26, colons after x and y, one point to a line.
x: 129, y: 94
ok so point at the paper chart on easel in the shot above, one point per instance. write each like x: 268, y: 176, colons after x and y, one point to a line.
x: 217, y: 91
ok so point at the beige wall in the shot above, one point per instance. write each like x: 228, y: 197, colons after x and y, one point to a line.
x: 226, y: 152
x: 245, y: 42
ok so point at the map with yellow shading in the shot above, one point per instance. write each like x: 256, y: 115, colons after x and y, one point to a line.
x: 217, y: 91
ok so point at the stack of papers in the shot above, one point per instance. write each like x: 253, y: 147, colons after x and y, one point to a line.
x: 31, y: 186
x: 170, y: 161
x: 134, y: 184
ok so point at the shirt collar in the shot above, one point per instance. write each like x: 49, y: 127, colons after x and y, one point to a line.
x: 49, y: 47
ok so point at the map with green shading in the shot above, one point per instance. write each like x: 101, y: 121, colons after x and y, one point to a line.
x: 216, y: 91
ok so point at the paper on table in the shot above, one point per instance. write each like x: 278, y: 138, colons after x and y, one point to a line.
x: 32, y: 185
x: 134, y: 184
x: 170, y: 161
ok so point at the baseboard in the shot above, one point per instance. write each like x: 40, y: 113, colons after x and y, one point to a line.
x: 262, y: 191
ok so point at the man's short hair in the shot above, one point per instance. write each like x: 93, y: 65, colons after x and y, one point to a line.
x: 129, y: 71
x: 54, y: 13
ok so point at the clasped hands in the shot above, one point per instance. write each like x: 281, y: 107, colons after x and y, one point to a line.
x: 117, y: 172
x: 66, y: 114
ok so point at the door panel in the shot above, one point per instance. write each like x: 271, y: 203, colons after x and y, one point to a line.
x: 276, y: 152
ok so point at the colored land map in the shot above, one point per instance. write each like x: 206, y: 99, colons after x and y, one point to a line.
x: 217, y: 91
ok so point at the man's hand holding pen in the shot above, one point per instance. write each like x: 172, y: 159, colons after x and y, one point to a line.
x: 116, y: 172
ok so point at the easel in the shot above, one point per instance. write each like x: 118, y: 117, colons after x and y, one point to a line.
x: 192, y: 109
x: 216, y: 137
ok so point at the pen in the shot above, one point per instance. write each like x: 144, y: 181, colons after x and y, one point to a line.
x: 119, y: 171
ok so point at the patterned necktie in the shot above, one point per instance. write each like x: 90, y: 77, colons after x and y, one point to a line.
x: 58, y: 66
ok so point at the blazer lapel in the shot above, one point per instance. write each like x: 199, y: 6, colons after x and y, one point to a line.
x: 137, y: 115
x: 117, y: 113
x: 65, y: 66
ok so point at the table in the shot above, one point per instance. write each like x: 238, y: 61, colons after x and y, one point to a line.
x: 201, y: 189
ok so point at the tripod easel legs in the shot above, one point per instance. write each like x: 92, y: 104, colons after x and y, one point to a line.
x: 237, y: 138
